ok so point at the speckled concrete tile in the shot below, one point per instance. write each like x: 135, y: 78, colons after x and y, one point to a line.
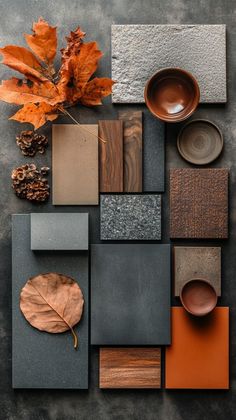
x: 130, y: 217
x: 143, y: 49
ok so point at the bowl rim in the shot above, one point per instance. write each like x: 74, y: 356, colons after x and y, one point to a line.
x: 205, y: 121
x: 181, y: 71
x: 203, y: 281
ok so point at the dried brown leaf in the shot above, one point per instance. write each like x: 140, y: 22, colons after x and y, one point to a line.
x: 53, y: 303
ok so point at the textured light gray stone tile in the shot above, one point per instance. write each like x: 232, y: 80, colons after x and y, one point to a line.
x: 40, y: 359
x: 130, y: 294
x: 138, y: 51
x: 130, y: 217
x: 59, y: 231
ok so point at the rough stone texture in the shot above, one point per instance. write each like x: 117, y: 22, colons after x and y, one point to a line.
x: 138, y: 51
x: 154, y: 153
x: 130, y: 294
x: 40, y: 359
x: 95, y: 18
x: 130, y: 217
x: 59, y: 231
x: 199, y: 203
x: 197, y: 262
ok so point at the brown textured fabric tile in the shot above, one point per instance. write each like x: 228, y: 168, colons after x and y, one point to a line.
x: 199, y: 203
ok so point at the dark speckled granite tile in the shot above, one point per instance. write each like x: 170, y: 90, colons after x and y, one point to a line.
x: 130, y: 217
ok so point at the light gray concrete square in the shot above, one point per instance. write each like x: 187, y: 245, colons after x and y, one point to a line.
x: 130, y: 217
x: 59, y: 231
x: 138, y: 51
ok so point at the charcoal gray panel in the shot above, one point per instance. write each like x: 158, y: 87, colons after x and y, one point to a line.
x: 40, y: 359
x: 130, y: 217
x: 154, y: 153
x: 59, y: 231
x: 130, y: 294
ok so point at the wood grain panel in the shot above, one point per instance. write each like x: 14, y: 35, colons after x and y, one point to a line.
x: 111, y: 155
x: 130, y: 367
x: 199, y: 203
x: 133, y: 160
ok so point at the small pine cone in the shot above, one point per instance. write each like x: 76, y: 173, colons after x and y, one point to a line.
x: 31, y: 143
x: 30, y: 183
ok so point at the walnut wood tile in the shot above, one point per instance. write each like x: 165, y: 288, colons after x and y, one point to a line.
x: 130, y: 367
x: 199, y: 203
x: 111, y: 155
x: 198, y: 357
x: 197, y: 262
x: 75, y: 164
x: 133, y: 156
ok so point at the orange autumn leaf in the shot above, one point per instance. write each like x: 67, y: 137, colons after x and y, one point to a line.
x: 95, y: 90
x: 43, y: 42
x: 37, y: 115
x: 23, y: 61
x: 20, y: 92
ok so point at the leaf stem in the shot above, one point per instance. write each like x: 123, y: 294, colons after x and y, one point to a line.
x: 64, y: 111
x: 76, y: 343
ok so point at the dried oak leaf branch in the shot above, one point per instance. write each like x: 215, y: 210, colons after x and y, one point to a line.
x: 44, y: 93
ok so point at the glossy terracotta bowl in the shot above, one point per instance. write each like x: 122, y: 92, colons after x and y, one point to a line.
x: 172, y: 94
x: 198, y: 297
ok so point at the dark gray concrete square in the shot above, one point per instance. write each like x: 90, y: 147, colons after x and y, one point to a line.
x: 130, y: 294
x: 40, y: 359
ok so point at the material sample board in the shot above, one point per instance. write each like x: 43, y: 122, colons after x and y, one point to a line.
x: 130, y: 217
x: 130, y: 294
x: 111, y: 155
x: 198, y: 357
x: 59, y: 231
x: 74, y: 164
x: 40, y: 359
x: 154, y: 153
x: 130, y: 367
x: 199, y: 203
x: 197, y: 263
x: 145, y: 49
x: 133, y: 150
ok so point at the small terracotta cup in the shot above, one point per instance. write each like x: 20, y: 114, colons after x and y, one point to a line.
x: 198, y: 297
x: 172, y: 94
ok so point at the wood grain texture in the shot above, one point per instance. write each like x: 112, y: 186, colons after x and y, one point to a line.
x: 199, y: 203
x: 197, y: 262
x: 111, y: 155
x: 130, y: 367
x: 133, y: 150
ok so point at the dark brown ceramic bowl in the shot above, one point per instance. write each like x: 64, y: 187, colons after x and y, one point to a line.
x: 198, y: 297
x: 172, y: 94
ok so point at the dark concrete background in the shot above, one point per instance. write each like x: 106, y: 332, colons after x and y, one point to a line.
x: 95, y: 17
